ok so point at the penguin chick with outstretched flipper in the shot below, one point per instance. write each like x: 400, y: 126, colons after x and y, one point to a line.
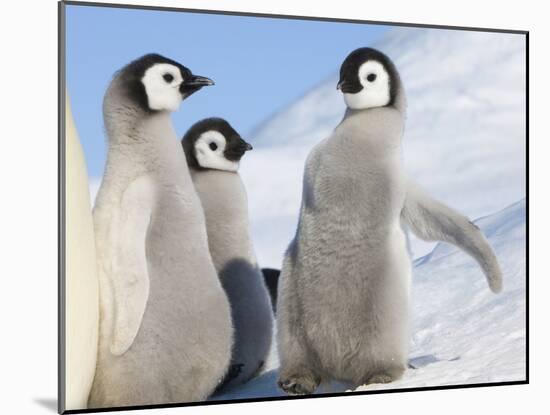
x: 343, y: 298
x: 165, y: 330
x: 214, y: 150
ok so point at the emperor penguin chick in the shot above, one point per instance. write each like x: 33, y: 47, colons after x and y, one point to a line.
x: 343, y: 299
x: 213, y: 150
x: 165, y: 322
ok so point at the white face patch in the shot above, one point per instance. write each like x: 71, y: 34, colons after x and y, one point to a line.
x: 209, y: 149
x: 376, y: 87
x: 162, y: 82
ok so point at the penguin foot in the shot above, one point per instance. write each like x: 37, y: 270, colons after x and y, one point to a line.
x: 386, y: 376
x: 381, y: 378
x: 298, y: 385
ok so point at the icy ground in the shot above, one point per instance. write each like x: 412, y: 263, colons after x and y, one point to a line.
x: 461, y: 332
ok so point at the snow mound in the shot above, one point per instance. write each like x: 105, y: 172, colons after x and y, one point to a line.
x: 461, y: 333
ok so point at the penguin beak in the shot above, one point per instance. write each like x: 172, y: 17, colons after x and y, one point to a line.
x: 236, y: 150
x: 347, y: 87
x: 196, y: 80
x: 344, y: 86
x: 247, y: 146
x: 193, y: 83
x: 244, y: 146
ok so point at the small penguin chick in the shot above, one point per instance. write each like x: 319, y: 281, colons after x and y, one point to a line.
x: 213, y: 144
x: 213, y: 150
x: 368, y: 79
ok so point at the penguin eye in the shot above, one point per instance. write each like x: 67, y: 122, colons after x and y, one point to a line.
x: 371, y: 77
x: 213, y: 146
x: 168, y: 77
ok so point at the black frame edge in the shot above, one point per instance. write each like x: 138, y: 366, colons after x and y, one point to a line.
x: 291, y: 17
x: 527, y: 206
x: 286, y: 398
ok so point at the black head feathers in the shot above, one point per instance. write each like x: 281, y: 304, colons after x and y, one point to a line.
x: 131, y: 78
x: 234, y: 146
x: 349, y: 71
x: 132, y: 74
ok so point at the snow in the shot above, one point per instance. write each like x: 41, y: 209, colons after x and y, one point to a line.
x: 461, y: 332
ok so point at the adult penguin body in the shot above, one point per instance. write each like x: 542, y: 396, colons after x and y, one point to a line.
x: 214, y: 150
x: 81, y: 286
x: 343, y: 299
x: 165, y: 325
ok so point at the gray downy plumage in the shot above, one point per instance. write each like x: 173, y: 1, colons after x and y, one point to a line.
x: 431, y: 220
x: 224, y: 200
x: 343, y: 298
x: 165, y: 324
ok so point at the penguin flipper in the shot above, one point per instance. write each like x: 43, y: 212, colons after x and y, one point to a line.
x: 431, y: 220
x: 130, y: 279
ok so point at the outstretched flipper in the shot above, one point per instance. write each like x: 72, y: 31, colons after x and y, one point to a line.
x: 130, y: 277
x: 431, y: 220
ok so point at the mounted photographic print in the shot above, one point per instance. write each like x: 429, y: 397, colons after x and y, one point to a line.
x: 262, y: 207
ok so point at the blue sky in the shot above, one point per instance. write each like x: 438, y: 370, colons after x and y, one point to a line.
x: 259, y: 64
